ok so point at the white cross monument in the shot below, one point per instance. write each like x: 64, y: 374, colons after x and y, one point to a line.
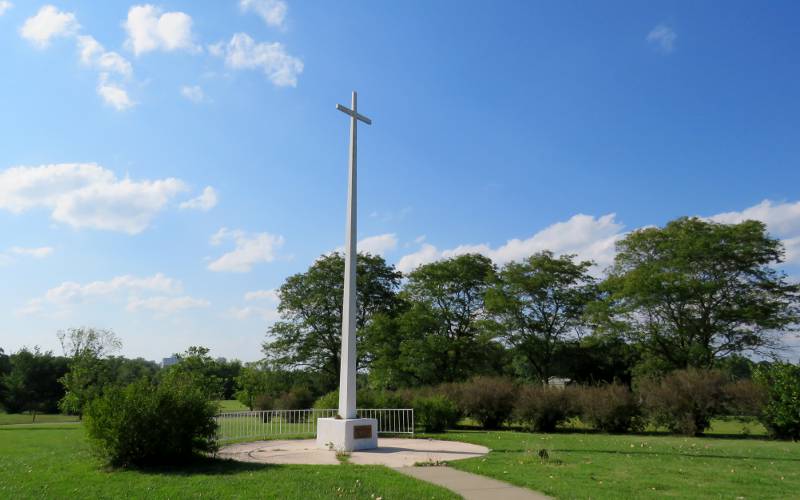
x: 347, y: 432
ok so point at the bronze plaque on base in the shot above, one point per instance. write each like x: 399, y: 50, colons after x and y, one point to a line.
x: 362, y: 432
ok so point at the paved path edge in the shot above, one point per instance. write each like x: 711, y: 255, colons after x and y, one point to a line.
x: 471, y: 486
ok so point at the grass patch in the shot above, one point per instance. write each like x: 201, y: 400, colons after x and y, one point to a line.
x: 27, y: 418
x: 587, y: 465
x: 54, y: 461
x: 231, y: 405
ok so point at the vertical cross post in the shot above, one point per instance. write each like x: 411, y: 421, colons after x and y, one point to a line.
x: 347, y: 371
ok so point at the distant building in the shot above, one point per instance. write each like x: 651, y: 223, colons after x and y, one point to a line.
x: 559, y: 382
x: 168, y: 361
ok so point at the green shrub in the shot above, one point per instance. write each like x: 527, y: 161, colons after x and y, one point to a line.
x: 543, y: 408
x: 685, y: 401
x: 435, y: 413
x: 489, y: 400
x: 296, y: 398
x: 143, y: 424
x: 328, y: 401
x: 781, y: 414
x: 609, y: 408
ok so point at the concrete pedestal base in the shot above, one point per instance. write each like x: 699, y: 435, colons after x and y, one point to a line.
x: 347, y: 434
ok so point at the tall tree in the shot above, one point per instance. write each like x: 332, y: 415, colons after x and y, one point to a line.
x: 695, y: 291
x: 309, y: 333
x: 540, y: 304
x: 442, y: 336
x: 32, y: 384
x: 88, y: 375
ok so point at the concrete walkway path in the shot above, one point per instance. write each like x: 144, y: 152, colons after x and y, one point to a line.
x: 471, y: 486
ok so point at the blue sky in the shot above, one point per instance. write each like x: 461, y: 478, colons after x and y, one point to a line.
x: 163, y: 167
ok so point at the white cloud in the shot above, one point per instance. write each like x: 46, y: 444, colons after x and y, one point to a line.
x: 242, y: 52
x: 378, y: 245
x: 38, y: 253
x: 93, y: 54
x: 782, y: 220
x: 165, y: 305
x: 205, y: 202
x: 5, y: 6
x: 193, y: 93
x: 269, y: 315
x: 663, y: 38
x: 113, y: 93
x: 71, y: 292
x: 86, y: 195
x: 271, y: 295
x: 250, y: 249
x: 588, y: 237
x: 273, y: 12
x: 48, y: 23
x: 149, y: 29
x: 157, y: 293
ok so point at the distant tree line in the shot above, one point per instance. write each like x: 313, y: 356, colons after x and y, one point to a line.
x: 693, y: 294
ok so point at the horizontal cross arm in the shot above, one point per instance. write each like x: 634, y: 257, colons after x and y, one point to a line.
x: 358, y: 116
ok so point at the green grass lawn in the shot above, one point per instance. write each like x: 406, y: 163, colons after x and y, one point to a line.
x: 231, y: 405
x: 54, y: 461
x: 587, y: 465
x: 27, y: 418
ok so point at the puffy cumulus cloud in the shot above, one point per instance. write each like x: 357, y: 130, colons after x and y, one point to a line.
x: 48, y: 23
x: 157, y: 293
x: 37, y: 252
x: 782, y: 220
x: 193, y: 93
x: 242, y: 52
x: 113, y: 93
x: 378, y: 245
x: 662, y: 37
x: 265, y: 307
x: 94, y: 55
x: 204, y: 202
x: 591, y: 238
x: 151, y: 29
x: 163, y: 306
x: 273, y: 12
x: 86, y: 195
x: 73, y: 292
x: 5, y: 6
x: 250, y: 249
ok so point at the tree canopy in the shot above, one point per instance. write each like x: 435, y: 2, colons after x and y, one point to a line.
x: 695, y: 291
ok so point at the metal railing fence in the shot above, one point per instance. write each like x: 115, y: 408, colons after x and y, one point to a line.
x: 267, y: 424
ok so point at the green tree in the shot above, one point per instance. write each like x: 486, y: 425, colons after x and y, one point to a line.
x: 32, y: 384
x: 195, y: 366
x: 88, y: 373
x: 781, y: 414
x: 695, y: 291
x: 309, y: 333
x: 442, y: 336
x: 253, y: 381
x: 540, y: 304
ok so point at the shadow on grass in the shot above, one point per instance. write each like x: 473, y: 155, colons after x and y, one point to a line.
x: 65, y: 426
x: 206, y: 466
x: 567, y: 431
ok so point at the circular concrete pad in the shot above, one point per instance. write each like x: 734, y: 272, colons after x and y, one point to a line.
x: 392, y: 452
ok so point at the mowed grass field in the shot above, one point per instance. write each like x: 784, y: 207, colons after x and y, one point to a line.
x: 54, y: 461
x: 603, y: 466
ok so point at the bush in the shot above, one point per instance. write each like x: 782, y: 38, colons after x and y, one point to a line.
x: 296, y: 398
x: 435, y: 413
x: 543, y: 408
x: 685, y: 401
x: 781, y: 414
x: 366, y: 398
x: 609, y: 408
x: 489, y: 400
x: 143, y: 424
x: 745, y: 398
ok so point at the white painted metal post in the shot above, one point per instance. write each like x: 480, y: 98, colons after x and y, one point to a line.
x: 347, y: 370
